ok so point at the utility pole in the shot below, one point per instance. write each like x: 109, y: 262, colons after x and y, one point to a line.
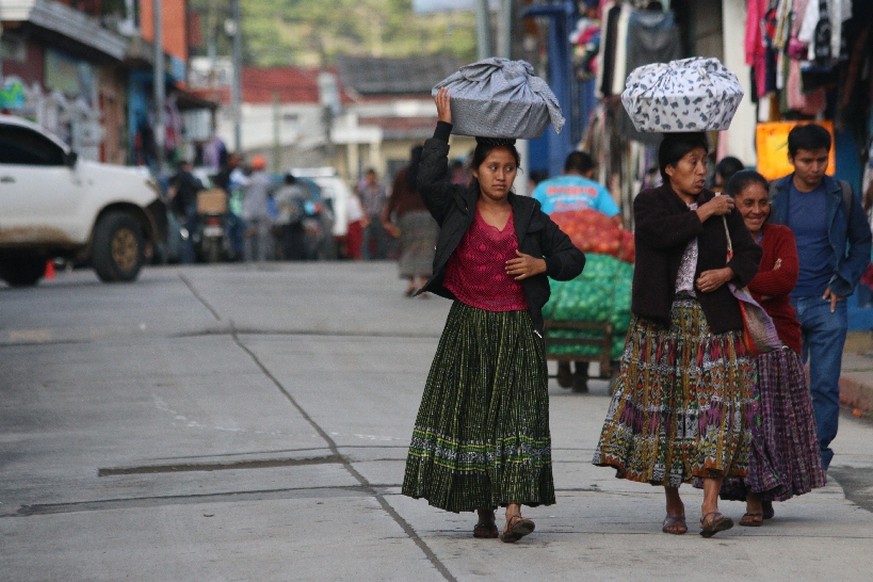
x: 236, y: 87
x: 483, y: 29
x: 504, y: 29
x: 159, y: 88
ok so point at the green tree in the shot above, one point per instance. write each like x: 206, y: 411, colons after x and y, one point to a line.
x: 315, y: 32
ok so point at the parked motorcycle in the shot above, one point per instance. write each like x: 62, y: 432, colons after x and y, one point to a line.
x: 213, y: 244
x: 211, y: 240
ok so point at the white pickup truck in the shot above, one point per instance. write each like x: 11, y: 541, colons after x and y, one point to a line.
x: 53, y: 204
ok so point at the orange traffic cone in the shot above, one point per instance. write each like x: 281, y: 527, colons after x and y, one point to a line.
x: 49, y: 270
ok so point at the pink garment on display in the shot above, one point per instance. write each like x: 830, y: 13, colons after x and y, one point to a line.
x: 756, y: 54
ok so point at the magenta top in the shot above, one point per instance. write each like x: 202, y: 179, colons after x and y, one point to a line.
x: 476, y: 271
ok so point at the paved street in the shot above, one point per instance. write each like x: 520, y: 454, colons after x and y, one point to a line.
x: 242, y: 422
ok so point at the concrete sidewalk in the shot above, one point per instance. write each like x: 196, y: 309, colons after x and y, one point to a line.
x: 856, y: 381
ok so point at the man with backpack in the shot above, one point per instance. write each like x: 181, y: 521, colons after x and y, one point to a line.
x: 833, y: 246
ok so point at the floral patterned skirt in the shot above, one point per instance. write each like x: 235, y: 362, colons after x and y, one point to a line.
x: 682, y: 405
x: 481, y: 438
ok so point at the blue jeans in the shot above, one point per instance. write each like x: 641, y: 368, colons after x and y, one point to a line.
x: 824, y: 336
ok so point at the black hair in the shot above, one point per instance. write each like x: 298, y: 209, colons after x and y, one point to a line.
x: 727, y: 167
x: 579, y: 162
x: 809, y: 136
x: 674, y: 146
x: 484, y: 146
x: 742, y: 180
x: 290, y: 178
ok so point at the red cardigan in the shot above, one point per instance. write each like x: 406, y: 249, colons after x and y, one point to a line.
x: 776, y: 284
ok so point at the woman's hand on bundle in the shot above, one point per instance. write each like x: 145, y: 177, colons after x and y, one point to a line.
x: 443, y: 105
x: 718, y: 205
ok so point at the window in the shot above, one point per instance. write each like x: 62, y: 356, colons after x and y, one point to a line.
x: 19, y: 145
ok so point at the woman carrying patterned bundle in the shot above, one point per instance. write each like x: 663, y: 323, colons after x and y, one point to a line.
x: 481, y: 438
x: 682, y: 401
x: 785, y: 459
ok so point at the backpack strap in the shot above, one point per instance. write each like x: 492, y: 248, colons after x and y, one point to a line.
x: 846, y: 189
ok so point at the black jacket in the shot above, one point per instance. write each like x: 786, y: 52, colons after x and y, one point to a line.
x: 663, y: 226
x: 454, y: 208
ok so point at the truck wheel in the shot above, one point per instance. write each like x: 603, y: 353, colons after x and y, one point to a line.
x: 22, y: 269
x: 119, y: 248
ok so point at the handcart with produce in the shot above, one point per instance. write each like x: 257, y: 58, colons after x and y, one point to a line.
x: 586, y: 319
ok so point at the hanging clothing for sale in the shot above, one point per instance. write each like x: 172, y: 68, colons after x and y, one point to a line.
x: 608, y: 43
x: 621, y: 71
x: 652, y: 37
x: 756, y: 51
x: 822, y: 22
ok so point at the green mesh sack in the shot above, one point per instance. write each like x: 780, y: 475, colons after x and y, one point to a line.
x: 600, y: 294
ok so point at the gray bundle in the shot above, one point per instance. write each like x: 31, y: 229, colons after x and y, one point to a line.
x: 498, y: 97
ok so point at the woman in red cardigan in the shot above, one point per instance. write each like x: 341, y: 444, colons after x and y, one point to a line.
x: 785, y: 458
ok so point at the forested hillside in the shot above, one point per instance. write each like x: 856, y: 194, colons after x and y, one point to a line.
x: 314, y: 32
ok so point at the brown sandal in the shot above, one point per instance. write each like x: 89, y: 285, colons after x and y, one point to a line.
x: 714, y: 522
x: 674, y: 524
x: 485, y: 529
x: 752, y: 519
x: 516, y: 528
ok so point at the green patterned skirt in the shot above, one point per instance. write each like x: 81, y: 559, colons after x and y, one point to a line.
x: 682, y: 407
x: 481, y: 437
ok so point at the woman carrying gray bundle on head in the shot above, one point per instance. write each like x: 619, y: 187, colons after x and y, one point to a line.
x: 681, y: 408
x: 481, y: 438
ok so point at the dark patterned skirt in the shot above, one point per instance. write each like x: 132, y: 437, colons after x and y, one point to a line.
x: 682, y: 404
x: 785, y: 459
x: 418, y: 236
x: 481, y: 437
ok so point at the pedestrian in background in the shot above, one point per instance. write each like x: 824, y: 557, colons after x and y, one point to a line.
x: 408, y: 217
x: 374, y: 196
x: 575, y: 190
x: 291, y: 200
x: 785, y: 459
x: 833, y: 248
x: 184, y: 188
x: 683, y: 394
x: 355, y: 232
x: 481, y: 437
x: 227, y: 179
x: 256, y: 212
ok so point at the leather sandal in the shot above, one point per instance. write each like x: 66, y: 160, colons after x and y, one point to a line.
x: 752, y: 519
x: 714, y: 522
x: 486, y: 527
x: 674, y: 524
x: 516, y: 528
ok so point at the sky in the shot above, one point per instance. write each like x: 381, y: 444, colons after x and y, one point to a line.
x: 442, y: 5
